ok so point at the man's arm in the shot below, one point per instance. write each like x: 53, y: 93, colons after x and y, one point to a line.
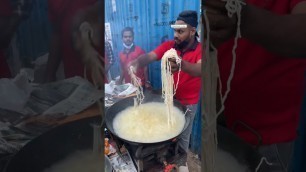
x: 147, y: 83
x: 281, y: 34
x: 193, y: 69
x: 144, y: 59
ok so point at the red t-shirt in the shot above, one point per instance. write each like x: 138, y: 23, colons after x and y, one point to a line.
x: 5, y: 11
x: 266, y: 91
x: 126, y: 58
x: 61, y: 14
x: 188, y: 89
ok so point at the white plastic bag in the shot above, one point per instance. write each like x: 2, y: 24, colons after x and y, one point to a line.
x: 109, y: 88
x: 14, y: 93
x: 119, y: 90
x: 130, y: 89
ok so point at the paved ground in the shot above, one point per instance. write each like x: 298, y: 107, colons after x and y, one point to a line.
x: 194, y: 163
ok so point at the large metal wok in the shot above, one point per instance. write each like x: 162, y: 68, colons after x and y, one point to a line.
x: 54, y: 146
x: 129, y: 102
x: 243, y: 152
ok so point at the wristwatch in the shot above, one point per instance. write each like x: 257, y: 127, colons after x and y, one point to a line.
x: 148, y: 82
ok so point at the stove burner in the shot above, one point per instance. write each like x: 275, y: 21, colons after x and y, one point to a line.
x: 151, y: 157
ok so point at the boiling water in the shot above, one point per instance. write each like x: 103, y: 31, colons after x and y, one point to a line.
x: 80, y: 161
x: 148, y: 123
x: 225, y: 162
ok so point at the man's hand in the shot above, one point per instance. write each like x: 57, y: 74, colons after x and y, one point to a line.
x: 174, y: 66
x: 222, y: 27
x: 134, y: 64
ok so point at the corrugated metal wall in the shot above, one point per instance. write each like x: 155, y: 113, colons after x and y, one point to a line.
x: 33, y: 34
x: 151, y: 21
x: 37, y: 29
x: 32, y: 38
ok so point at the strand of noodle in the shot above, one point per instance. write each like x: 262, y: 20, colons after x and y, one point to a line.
x: 167, y: 87
x: 233, y: 6
x: 98, y: 135
x: 91, y: 59
x: 261, y: 161
x: 97, y: 71
x: 179, y: 62
x: 96, y: 74
x: 137, y: 83
x: 187, y: 110
x: 168, y: 82
x: 210, y: 88
x: 96, y: 77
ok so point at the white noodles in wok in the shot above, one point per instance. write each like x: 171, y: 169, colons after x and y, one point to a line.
x: 148, y: 123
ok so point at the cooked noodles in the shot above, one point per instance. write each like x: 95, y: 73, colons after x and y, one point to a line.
x: 137, y: 83
x: 147, y: 123
x: 211, y: 77
x: 168, y: 87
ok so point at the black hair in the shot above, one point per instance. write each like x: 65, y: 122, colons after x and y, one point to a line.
x: 126, y: 29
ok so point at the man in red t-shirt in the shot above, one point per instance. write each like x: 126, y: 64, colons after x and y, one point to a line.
x: 129, y: 53
x: 63, y: 15
x: 264, y: 103
x: 12, y: 12
x: 189, y: 49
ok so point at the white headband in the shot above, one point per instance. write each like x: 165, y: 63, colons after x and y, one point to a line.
x: 178, y: 26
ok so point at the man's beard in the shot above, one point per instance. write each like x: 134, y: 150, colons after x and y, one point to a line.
x: 182, y: 45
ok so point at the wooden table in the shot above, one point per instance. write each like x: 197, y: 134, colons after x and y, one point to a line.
x: 92, y: 111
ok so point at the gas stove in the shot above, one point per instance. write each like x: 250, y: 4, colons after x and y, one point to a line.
x: 152, y: 157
